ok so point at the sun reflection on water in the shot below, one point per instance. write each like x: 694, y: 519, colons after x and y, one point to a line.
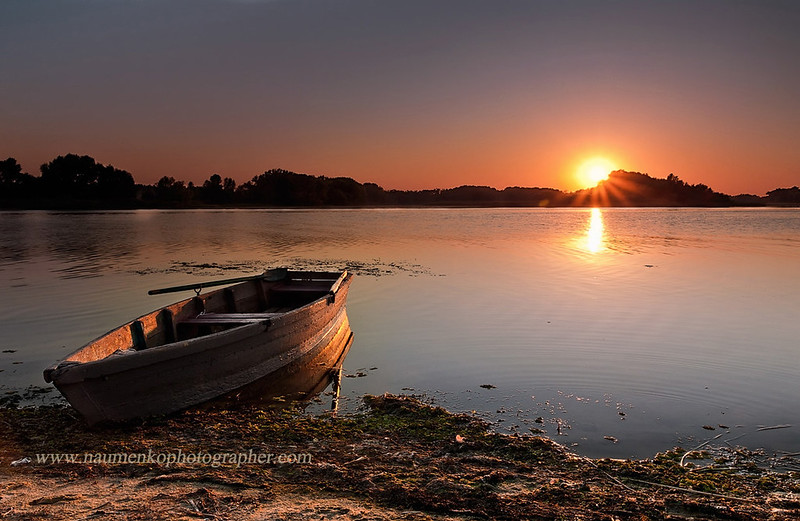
x: 595, y: 238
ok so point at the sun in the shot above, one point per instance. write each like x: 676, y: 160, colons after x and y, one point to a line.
x: 594, y: 170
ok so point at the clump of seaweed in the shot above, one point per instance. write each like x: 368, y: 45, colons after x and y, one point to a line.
x: 374, y: 267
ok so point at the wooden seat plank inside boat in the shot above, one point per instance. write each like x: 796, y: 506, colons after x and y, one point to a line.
x: 212, y: 320
x: 230, y: 318
x: 301, y: 288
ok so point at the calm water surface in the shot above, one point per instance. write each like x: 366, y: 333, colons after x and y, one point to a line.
x: 641, y: 324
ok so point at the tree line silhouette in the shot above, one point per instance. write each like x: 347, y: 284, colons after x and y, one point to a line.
x: 79, y: 182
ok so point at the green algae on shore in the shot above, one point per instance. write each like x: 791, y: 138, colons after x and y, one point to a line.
x: 399, y: 459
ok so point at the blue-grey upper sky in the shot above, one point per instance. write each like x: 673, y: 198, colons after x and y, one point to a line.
x: 408, y: 94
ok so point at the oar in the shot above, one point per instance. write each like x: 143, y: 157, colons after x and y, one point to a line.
x: 269, y: 275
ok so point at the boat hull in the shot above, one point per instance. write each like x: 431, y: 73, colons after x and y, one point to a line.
x: 297, y: 382
x: 171, y: 377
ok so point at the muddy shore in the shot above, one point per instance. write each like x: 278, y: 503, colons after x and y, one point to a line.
x: 399, y: 459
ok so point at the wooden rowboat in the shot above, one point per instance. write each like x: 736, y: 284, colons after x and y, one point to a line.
x: 279, y: 324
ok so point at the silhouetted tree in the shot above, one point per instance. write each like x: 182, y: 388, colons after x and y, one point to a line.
x: 14, y: 184
x: 624, y: 188
x: 784, y: 196
x: 343, y: 191
x: 171, y: 191
x: 10, y: 172
x: 229, y: 190
x: 81, y: 177
x: 374, y: 194
x: 520, y: 196
x: 212, y: 190
x: 113, y: 183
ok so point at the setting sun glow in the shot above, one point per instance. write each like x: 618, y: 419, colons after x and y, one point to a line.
x: 594, y: 170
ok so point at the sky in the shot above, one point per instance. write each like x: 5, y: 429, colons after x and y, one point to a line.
x: 407, y: 94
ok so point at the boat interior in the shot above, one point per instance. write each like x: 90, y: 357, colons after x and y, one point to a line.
x: 252, y: 301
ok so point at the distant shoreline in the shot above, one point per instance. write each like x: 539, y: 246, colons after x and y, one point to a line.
x: 93, y: 208
x: 74, y: 182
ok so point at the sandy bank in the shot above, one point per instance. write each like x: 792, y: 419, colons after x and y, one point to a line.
x: 400, y: 459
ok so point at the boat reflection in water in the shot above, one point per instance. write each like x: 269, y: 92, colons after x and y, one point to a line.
x: 298, y: 382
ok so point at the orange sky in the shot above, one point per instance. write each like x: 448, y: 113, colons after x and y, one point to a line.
x: 409, y: 94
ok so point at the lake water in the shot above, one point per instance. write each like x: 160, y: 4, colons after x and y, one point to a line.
x: 644, y: 325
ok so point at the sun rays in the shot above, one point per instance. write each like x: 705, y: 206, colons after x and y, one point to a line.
x: 613, y: 191
x: 593, y: 171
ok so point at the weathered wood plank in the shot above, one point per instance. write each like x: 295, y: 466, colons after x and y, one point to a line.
x: 234, y: 316
x: 168, y: 324
x: 137, y: 333
x: 229, y: 318
x: 301, y: 288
